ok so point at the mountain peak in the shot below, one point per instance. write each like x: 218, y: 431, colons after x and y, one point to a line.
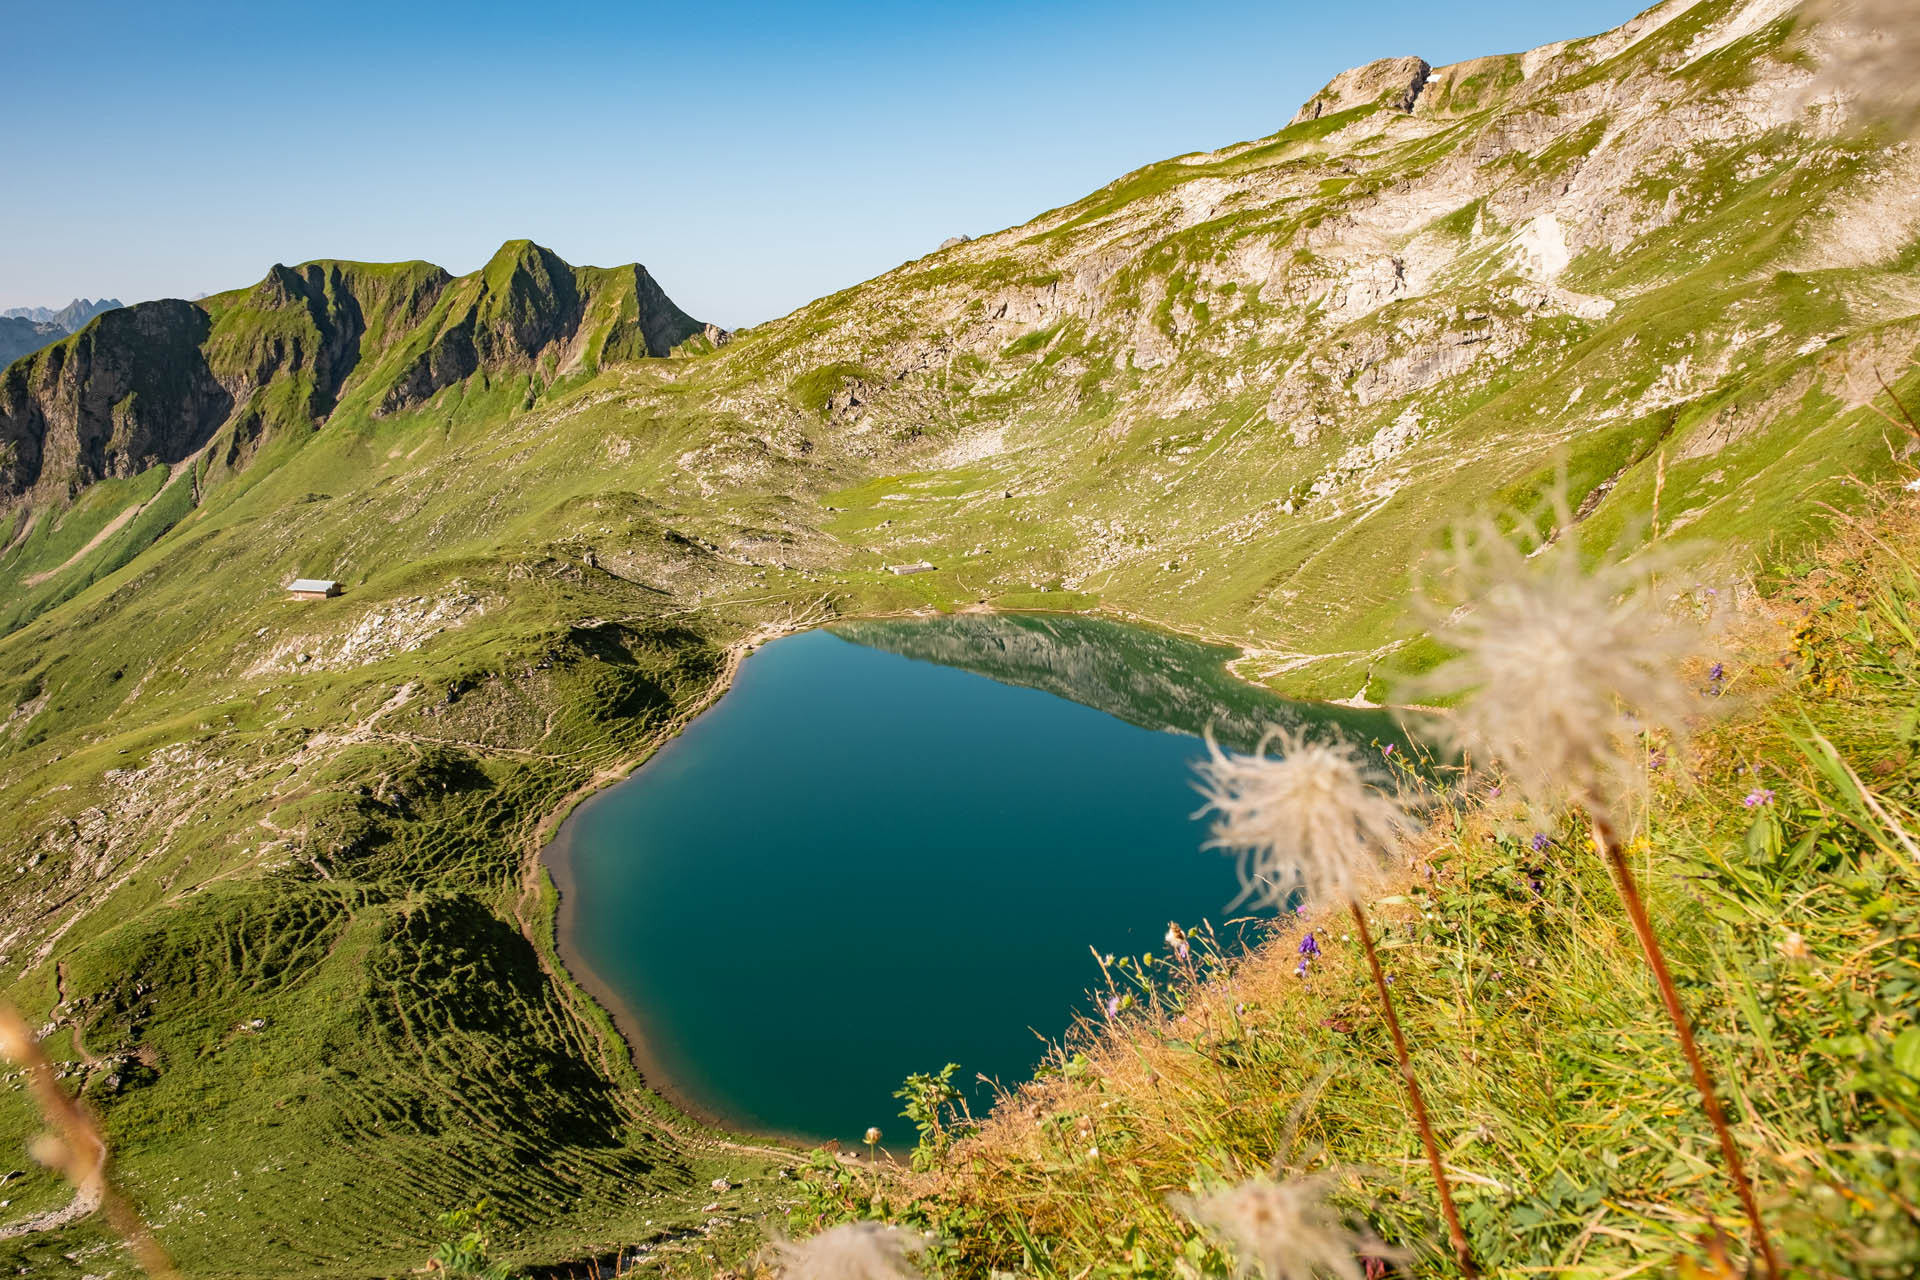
x: 1388, y: 82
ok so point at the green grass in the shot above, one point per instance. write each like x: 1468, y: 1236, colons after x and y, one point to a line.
x: 1570, y: 1124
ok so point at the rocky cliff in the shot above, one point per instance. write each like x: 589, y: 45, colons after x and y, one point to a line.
x: 20, y: 336
x: 157, y: 382
x: 27, y: 329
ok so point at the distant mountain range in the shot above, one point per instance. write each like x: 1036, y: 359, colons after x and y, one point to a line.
x: 24, y: 330
x: 69, y: 317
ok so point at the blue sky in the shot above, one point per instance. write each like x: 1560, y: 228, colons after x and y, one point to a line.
x: 753, y: 156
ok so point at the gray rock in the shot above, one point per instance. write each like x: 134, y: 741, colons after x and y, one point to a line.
x: 1394, y: 83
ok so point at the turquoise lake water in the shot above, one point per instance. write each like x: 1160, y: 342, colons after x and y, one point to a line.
x: 891, y: 846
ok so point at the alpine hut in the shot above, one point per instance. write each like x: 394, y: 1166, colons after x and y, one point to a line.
x: 312, y: 588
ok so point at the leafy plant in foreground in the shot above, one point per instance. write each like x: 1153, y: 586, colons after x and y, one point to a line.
x: 469, y: 1255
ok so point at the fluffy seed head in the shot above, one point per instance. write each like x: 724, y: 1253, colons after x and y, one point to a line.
x: 1559, y: 667
x: 851, y: 1251
x: 1283, y: 1229
x: 1310, y: 817
x: 1867, y: 52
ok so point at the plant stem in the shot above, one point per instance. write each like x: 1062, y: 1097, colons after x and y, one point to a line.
x: 1624, y: 881
x: 79, y: 1151
x: 1461, y: 1252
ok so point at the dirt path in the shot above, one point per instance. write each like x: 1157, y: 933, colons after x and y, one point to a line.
x: 116, y: 524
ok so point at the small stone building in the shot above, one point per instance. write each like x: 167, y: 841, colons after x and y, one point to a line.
x: 312, y: 588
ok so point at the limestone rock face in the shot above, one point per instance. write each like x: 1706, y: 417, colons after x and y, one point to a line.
x: 1389, y: 82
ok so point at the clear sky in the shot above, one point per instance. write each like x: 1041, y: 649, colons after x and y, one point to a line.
x: 753, y: 156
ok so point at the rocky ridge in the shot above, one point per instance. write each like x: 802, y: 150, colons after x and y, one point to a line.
x: 155, y: 383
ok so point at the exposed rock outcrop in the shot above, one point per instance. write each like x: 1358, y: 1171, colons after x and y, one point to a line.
x: 1394, y: 83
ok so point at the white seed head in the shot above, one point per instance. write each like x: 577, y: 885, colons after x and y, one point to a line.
x: 1867, y: 51
x: 1283, y: 1229
x: 1560, y: 668
x: 851, y: 1251
x: 1310, y: 817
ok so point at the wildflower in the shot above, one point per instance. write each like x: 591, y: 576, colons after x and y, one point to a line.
x: 1284, y: 1230
x: 1717, y: 672
x: 1757, y: 797
x: 1387, y: 750
x: 1540, y: 841
x: 1311, y: 819
x: 1308, y: 818
x: 1559, y: 668
x: 1794, y: 947
x: 1177, y: 939
x: 851, y: 1251
x: 1113, y: 1006
x: 1560, y: 671
x: 873, y: 1136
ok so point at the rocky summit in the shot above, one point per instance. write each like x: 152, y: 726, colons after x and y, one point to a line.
x: 270, y: 864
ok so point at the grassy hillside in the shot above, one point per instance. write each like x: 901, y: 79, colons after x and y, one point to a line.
x: 1783, y: 870
x: 1239, y: 393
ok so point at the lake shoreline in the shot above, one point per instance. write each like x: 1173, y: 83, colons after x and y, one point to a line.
x: 553, y: 849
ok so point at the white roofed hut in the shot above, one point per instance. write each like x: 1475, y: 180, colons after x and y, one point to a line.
x: 312, y: 588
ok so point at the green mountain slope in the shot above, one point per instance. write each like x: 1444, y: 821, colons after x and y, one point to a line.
x: 1239, y: 394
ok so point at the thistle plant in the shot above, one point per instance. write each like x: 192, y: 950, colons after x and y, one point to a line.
x: 1285, y: 1229
x: 851, y: 1251
x: 1562, y: 672
x: 1311, y: 819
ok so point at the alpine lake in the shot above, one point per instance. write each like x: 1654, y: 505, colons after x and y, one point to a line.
x: 897, y: 844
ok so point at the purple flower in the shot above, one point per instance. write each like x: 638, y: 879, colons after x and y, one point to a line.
x: 1309, y: 946
x: 1387, y: 750
x: 1301, y: 972
x: 1113, y: 1006
x: 1540, y: 841
x: 1758, y: 796
x: 1718, y: 673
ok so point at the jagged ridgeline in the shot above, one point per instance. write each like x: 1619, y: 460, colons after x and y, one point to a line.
x: 1241, y: 393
